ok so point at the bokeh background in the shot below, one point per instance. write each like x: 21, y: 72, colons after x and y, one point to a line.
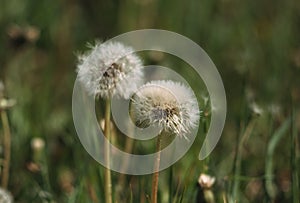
x: 255, y: 46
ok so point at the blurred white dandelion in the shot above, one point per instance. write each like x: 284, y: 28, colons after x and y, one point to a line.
x: 5, y: 197
x: 110, y: 69
x: 167, y: 104
x: 256, y: 109
x: 37, y: 144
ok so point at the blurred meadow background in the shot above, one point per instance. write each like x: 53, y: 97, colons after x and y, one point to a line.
x: 254, y: 44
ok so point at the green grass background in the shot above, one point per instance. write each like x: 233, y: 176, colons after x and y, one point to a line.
x: 255, y: 46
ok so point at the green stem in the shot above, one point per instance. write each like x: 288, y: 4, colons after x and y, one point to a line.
x: 171, y: 187
x: 108, y: 185
x: 209, y: 196
x: 6, y: 140
x: 156, y: 169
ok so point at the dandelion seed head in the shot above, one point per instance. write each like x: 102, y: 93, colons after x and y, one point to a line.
x: 110, y: 69
x: 170, y: 105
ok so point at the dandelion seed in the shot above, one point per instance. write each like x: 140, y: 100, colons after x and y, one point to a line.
x: 110, y: 69
x: 167, y: 104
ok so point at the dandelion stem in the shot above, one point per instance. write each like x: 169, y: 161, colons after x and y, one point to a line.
x: 156, y: 169
x: 122, y: 178
x: 6, y: 140
x: 171, y: 185
x: 108, y: 185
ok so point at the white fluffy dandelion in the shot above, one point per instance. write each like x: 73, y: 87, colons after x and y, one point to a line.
x: 110, y: 69
x: 170, y: 105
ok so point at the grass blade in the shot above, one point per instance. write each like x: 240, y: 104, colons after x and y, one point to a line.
x: 294, y: 165
x: 274, y: 141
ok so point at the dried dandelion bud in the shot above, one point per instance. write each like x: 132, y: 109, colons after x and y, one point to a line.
x: 167, y: 104
x: 110, y: 69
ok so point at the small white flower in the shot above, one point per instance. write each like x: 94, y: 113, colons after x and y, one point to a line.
x: 172, y: 106
x: 206, y: 181
x: 110, y: 69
